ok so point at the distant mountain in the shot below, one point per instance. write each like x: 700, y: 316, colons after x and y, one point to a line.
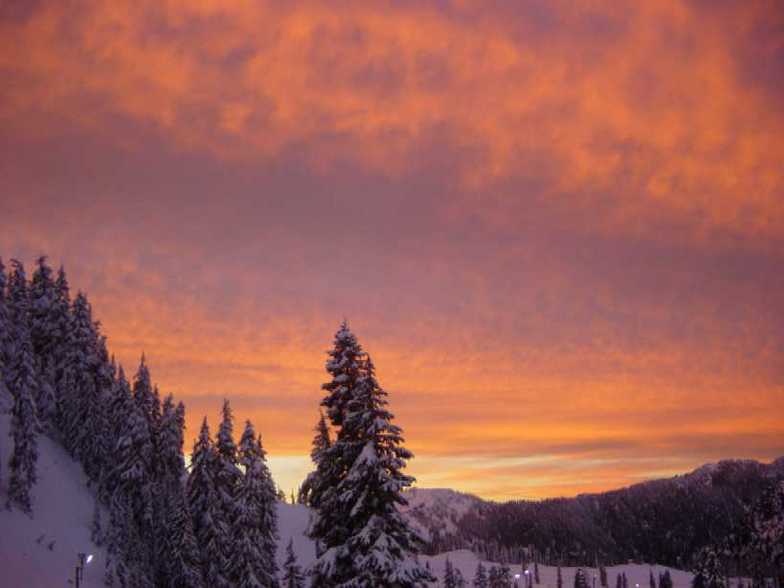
x: 665, y: 521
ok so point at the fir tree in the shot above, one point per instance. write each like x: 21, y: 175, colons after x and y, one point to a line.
x: 652, y: 580
x: 536, y: 572
x: 23, y: 385
x: 209, y: 525
x: 559, y: 578
x: 665, y: 580
x: 253, y: 562
x: 480, y: 577
x: 363, y: 537
x: 709, y: 568
x: 63, y: 377
x: 619, y: 581
x: 625, y: 580
x: 603, y: 576
x: 315, y: 483
x: 45, y: 337
x: 459, y: 579
x: 580, y: 580
x: 292, y: 574
x: 5, y: 399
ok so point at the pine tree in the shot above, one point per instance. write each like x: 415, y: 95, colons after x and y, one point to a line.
x: 709, y: 568
x: 5, y: 395
x: 178, y: 559
x: 63, y: 377
x: 493, y: 577
x: 480, y: 577
x: 45, y: 338
x: 666, y: 581
x: 652, y: 580
x: 292, y: 574
x: 209, y: 524
x: 459, y: 579
x: 536, y: 572
x: 449, y: 575
x: 23, y: 385
x: 253, y: 562
x: 146, y: 396
x: 619, y: 581
x: 603, y: 576
x: 625, y: 580
x: 315, y: 483
x: 579, y: 579
x: 363, y: 538
x: 559, y: 578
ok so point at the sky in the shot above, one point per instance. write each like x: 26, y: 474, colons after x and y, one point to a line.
x: 557, y: 226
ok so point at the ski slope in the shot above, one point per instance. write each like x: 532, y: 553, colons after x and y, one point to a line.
x: 41, y: 551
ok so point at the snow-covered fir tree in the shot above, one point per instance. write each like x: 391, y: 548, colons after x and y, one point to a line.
x: 178, y: 562
x: 665, y: 579
x: 292, y: 573
x: 603, y: 575
x: 5, y: 398
x: 709, y: 568
x: 254, y: 532
x: 209, y: 525
x: 559, y: 577
x: 459, y: 579
x: 45, y: 336
x: 316, y: 481
x: 536, y: 572
x: 362, y: 538
x: 651, y: 579
x: 480, y: 577
x: 22, y: 383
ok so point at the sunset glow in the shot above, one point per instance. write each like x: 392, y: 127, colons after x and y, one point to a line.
x: 558, y: 227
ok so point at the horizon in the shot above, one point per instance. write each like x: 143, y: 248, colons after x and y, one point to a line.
x: 558, y: 228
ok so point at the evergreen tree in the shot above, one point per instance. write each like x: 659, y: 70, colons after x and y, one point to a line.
x: 449, y: 575
x: 45, y: 337
x: 146, y: 396
x: 665, y: 580
x: 459, y: 579
x: 480, y: 577
x: 227, y: 475
x: 559, y: 578
x: 536, y: 572
x: 493, y: 577
x: 61, y: 317
x: 314, y: 484
x: 709, y: 569
x: 619, y: 581
x: 292, y: 574
x: 209, y: 524
x: 5, y: 398
x: 580, y: 580
x: 603, y: 576
x: 652, y: 580
x: 178, y: 559
x: 363, y: 537
x: 23, y: 385
x: 253, y: 562
x: 625, y: 580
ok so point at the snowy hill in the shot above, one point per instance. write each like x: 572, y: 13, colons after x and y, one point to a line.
x: 665, y: 520
x: 41, y: 551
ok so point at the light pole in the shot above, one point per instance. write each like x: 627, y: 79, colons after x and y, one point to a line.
x: 84, y: 559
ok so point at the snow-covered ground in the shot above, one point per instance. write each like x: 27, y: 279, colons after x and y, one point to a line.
x: 466, y: 562
x: 41, y: 551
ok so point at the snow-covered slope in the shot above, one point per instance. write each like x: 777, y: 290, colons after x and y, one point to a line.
x: 437, y: 510
x: 41, y: 551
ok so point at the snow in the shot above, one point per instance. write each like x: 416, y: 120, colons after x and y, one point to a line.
x: 466, y: 562
x: 62, y: 513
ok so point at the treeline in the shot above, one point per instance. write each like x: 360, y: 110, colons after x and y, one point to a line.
x: 215, y: 525
x: 161, y: 525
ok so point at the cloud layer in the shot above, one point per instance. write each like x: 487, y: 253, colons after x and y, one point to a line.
x: 556, y: 225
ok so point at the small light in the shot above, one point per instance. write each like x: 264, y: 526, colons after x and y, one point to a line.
x: 517, y: 576
x: 89, y: 558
